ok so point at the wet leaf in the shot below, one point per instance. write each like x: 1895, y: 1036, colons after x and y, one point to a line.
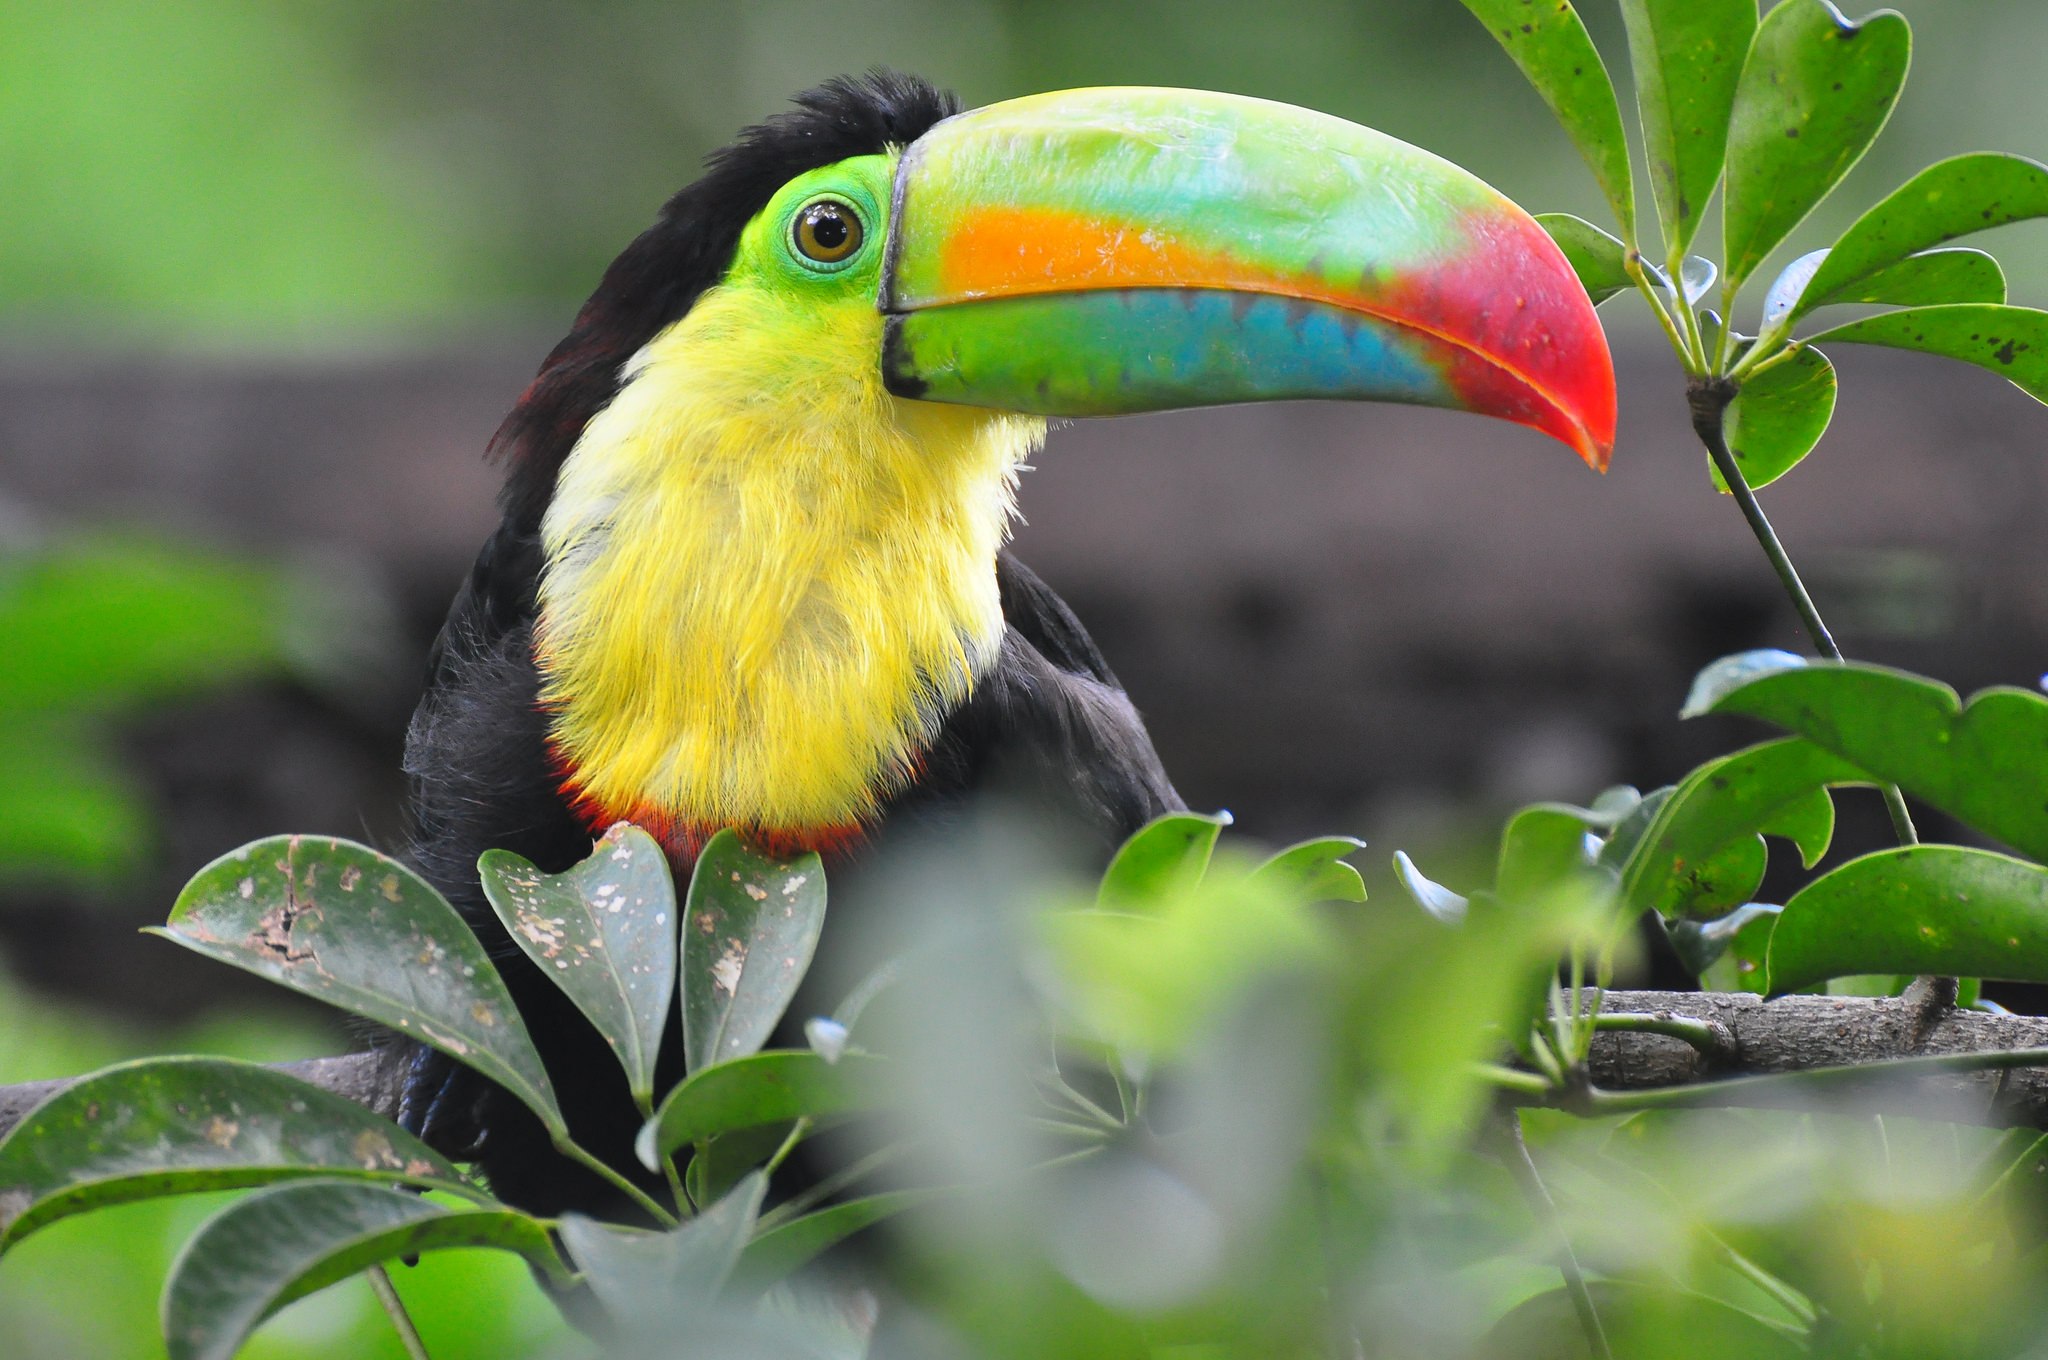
x: 1814, y: 92
x: 789, y: 1247
x: 339, y: 922
x: 604, y: 932
x: 1596, y: 257
x: 633, y: 1273
x: 1957, y: 274
x: 1551, y: 46
x: 262, y: 1252
x: 1164, y: 858
x: 765, y: 1088
x: 1687, y: 56
x: 2010, y: 341
x: 169, y: 1126
x: 1950, y: 198
x: 750, y: 926
x: 1985, y: 764
x: 1315, y: 871
x: 1431, y: 896
x: 1924, y: 909
x: 1778, y: 417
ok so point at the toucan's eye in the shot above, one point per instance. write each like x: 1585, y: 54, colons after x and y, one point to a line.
x: 827, y: 231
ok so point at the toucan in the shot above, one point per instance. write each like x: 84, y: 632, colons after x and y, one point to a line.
x: 751, y: 569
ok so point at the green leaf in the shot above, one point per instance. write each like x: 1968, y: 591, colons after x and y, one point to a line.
x: 1642, y: 1322
x: 1431, y: 896
x: 721, y: 1162
x: 339, y: 922
x: 1727, y: 955
x: 1315, y: 871
x: 789, y: 1247
x: 2010, y: 341
x: 765, y: 1088
x: 1597, y: 258
x: 1687, y: 56
x: 262, y: 1252
x: 68, y: 808
x: 170, y: 1126
x: 1815, y: 91
x: 1551, y: 46
x: 634, y: 1273
x: 604, y: 932
x: 1718, y: 679
x: 1543, y: 849
x: 751, y: 924
x: 1982, y: 764
x: 1957, y: 274
x: 1778, y: 417
x: 1164, y: 858
x: 1927, y: 909
x: 1950, y: 198
x: 1702, y: 852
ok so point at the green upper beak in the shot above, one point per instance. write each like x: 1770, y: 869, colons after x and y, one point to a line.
x: 1104, y: 251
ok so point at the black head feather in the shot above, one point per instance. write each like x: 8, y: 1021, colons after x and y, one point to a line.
x: 690, y: 246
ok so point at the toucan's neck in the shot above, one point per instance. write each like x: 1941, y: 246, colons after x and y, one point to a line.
x: 768, y: 580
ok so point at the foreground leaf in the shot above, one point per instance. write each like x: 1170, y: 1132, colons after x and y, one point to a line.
x: 1920, y: 909
x: 1814, y: 93
x: 167, y: 1126
x: 1642, y: 1322
x: 751, y: 924
x: 633, y: 1273
x: 1982, y: 764
x: 604, y: 932
x: 1950, y: 198
x: 1315, y: 871
x: 1596, y: 257
x: 1687, y: 56
x: 2010, y: 341
x: 262, y: 1252
x: 343, y: 924
x: 1778, y: 417
x: 766, y: 1088
x: 1550, y: 44
x: 789, y: 1247
x: 1165, y: 857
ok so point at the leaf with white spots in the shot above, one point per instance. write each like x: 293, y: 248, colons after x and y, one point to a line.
x: 604, y: 932
x: 750, y: 925
x: 339, y: 922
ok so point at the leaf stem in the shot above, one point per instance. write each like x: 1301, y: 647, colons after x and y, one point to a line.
x: 576, y: 1153
x: 1710, y: 1037
x: 394, y: 1308
x: 1632, y: 262
x: 1718, y: 1093
x: 797, y: 1133
x: 1523, y: 1168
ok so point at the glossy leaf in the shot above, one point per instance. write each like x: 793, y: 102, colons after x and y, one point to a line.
x: 1786, y: 290
x: 2010, y: 341
x: 1815, y: 91
x: 1718, y: 679
x: 1550, y: 44
x: 1431, y: 896
x: 1957, y: 274
x: 1165, y: 857
x: 1727, y: 953
x: 765, y: 1088
x: 1981, y: 763
x: 604, y: 932
x: 1687, y: 56
x: 1950, y: 198
x: 751, y: 924
x: 789, y: 1247
x: 167, y: 1126
x: 1542, y: 851
x: 1924, y: 909
x: 1701, y: 855
x: 1628, y: 833
x: 339, y: 922
x: 1596, y: 257
x: 1778, y: 417
x: 262, y: 1252
x: 1314, y: 871
x: 1696, y: 274
x: 632, y: 1272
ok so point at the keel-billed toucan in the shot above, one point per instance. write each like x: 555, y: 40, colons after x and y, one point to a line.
x: 751, y: 568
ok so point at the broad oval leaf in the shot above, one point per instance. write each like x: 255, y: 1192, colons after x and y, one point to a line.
x: 634, y: 1273
x: 1162, y: 859
x: 1314, y: 871
x: 1778, y: 417
x: 264, y: 1251
x: 1543, y: 853
x: 1600, y: 260
x: 1785, y: 290
x: 1740, y: 938
x: 2010, y: 341
x: 339, y: 922
x: 1815, y: 91
x: 168, y: 1126
x: 1432, y: 896
x: 1687, y: 56
x: 1926, y: 909
x: 750, y: 926
x: 604, y: 932
x: 788, y: 1247
x: 1696, y: 274
x: 765, y: 1088
x: 1981, y: 763
x: 1550, y: 44
x: 1950, y: 198
x: 1718, y: 679
x: 1957, y: 274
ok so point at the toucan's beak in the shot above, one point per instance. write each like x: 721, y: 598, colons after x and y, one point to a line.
x: 1098, y: 252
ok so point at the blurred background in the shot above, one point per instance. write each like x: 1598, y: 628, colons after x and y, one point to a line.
x: 270, y: 273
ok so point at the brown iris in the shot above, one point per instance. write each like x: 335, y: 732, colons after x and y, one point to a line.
x: 827, y: 231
